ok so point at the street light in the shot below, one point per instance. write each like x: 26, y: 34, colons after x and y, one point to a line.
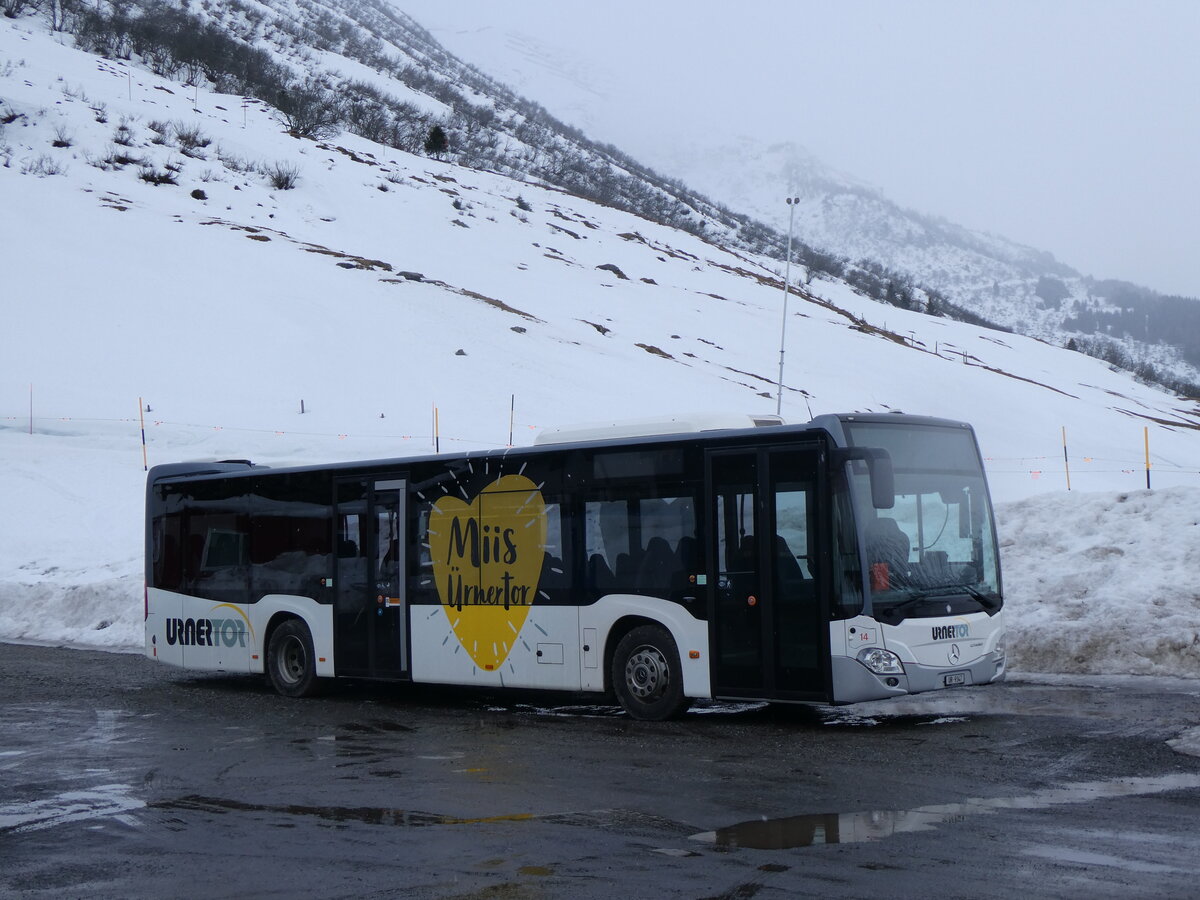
x: 792, y: 203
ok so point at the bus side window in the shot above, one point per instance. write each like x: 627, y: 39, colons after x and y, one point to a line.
x: 167, y: 552
x: 640, y: 545
x: 556, y: 569
x: 290, y: 537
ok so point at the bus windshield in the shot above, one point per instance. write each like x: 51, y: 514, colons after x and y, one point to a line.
x: 938, y: 542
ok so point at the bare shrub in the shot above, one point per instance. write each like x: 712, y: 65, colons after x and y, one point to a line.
x: 42, y: 166
x: 119, y: 158
x: 162, y: 131
x: 150, y: 175
x: 123, y: 134
x: 62, y: 137
x: 233, y: 162
x: 14, y: 8
x: 310, y: 111
x: 190, y: 139
x: 282, y: 176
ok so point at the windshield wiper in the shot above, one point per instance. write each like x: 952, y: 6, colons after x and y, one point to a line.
x: 895, y: 613
x: 988, y: 600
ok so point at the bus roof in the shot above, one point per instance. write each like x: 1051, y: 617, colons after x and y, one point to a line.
x: 631, y: 433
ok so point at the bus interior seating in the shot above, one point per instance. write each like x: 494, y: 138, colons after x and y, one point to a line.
x: 656, y: 568
x: 600, y: 578
x: 659, y: 570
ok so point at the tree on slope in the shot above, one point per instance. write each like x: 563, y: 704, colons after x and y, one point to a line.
x: 437, y: 143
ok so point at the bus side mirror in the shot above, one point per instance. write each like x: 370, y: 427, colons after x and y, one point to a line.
x: 879, y: 468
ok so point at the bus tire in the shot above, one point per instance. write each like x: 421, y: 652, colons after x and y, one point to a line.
x: 291, y: 662
x: 646, y: 675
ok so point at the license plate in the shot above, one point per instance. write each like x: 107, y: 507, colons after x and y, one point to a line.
x: 954, y: 678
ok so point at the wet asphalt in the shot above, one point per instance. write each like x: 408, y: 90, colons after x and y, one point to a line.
x: 123, y: 778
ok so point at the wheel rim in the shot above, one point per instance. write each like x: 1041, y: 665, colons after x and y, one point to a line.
x: 293, y: 660
x: 647, y: 674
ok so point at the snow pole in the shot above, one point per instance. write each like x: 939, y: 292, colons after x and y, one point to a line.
x: 1066, y: 461
x: 31, y: 408
x: 437, y: 442
x: 142, y: 421
x: 512, y: 412
x: 1146, y: 437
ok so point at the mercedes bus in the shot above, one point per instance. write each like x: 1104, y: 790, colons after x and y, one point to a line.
x: 850, y: 558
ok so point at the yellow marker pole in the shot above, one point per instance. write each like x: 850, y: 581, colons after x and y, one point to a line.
x: 142, y: 420
x: 1066, y: 461
x: 437, y: 440
x: 1146, y: 436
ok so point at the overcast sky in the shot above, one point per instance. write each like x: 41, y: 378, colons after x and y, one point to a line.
x: 1069, y: 125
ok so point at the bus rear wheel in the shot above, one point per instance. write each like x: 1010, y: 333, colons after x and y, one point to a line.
x: 291, y: 663
x: 646, y: 675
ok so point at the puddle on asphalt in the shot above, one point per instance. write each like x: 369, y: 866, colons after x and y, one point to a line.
x: 858, y: 827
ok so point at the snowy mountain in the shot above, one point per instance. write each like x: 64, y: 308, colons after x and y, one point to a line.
x: 176, y: 260
x: 900, y: 254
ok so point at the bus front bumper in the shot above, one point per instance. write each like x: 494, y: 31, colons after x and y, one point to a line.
x: 854, y: 682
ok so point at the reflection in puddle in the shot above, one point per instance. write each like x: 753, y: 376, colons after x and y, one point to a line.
x: 849, y: 828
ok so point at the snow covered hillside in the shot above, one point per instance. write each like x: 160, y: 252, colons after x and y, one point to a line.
x: 172, y: 245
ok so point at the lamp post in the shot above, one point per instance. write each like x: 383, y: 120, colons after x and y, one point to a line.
x: 787, y: 281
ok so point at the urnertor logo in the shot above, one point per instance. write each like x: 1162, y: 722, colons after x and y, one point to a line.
x: 210, y: 632
x: 951, y: 632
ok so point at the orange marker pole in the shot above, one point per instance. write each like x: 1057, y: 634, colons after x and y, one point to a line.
x: 1146, y: 436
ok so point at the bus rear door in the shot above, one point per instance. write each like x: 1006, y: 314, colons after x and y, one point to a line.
x: 371, y: 619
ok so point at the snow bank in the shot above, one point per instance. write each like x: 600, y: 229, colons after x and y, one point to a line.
x: 1104, y: 583
x: 105, y: 615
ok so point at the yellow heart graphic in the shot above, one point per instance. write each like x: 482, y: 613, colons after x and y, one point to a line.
x: 487, y: 561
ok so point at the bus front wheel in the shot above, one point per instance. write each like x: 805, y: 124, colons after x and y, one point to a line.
x: 646, y: 674
x: 291, y: 663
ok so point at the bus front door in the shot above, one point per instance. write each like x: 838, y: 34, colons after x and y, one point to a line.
x: 371, y: 616
x: 769, y: 632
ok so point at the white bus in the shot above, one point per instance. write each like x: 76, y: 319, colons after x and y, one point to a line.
x: 848, y: 559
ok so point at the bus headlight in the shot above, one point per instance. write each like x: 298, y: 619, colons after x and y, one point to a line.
x: 880, y: 661
x: 1000, y: 654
